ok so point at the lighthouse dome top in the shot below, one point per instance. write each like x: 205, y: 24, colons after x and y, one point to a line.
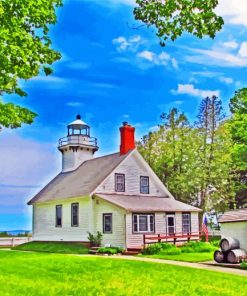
x: 78, y: 123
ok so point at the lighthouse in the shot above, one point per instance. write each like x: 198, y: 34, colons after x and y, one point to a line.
x: 78, y: 146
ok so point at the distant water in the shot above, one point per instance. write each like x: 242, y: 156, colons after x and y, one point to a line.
x: 15, y: 232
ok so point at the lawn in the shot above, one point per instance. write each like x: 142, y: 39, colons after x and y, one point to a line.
x: 187, y: 257
x: 36, y: 274
x: 53, y: 247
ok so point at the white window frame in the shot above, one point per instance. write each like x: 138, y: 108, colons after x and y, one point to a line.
x: 167, y: 226
x: 75, y: 204
x: 146, y: 178
x: 122, y: 182
x: 104, y: 216
x: 188, y: 224
x: 137, y: 216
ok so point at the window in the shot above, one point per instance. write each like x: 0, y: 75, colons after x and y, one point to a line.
x: 59, y: 216
x: 143, y: 223
x: 170, y: 219
x: 74, y: 214
x: 119, y: 182
x: 186, y: 223
x: 107, y: 223
x: 144, y: 184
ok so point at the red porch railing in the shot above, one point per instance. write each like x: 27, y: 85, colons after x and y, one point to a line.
x: 176, y: 237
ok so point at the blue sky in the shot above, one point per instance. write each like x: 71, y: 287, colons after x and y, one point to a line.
x: 111, y: 73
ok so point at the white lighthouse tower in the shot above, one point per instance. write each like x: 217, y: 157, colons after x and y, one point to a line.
x: 78, y: 146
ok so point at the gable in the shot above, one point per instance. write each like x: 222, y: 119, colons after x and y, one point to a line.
x: 81, y: 181
x: 133, y: 167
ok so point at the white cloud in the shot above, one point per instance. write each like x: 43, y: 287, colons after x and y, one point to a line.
x: 79, y: 65
x: 216, y: 57
x: 127, y: 44
x: 113, y: 3
x: 53, y: 79
x: 243, y: 50
x: 189, y: 89
x: 161, y: 59
x: 147, y: 55
x: 26, y: 165
x: 75, y: 104
x: 231, y: 44
x: 226, y: 80
x: 209, y: 74
x: 233, y: 11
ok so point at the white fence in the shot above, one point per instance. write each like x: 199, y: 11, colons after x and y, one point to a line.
x: 13, y: 241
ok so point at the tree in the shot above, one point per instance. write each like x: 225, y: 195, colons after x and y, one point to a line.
x: 238, y: 127
x: 193, y: 161
x: 238, y: 132
x: 172, y: 18
x: 25, y: 50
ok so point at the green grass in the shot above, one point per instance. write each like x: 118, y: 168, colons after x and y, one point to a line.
x: 187, y: 257
x: 39, y: 274
x: 53, y: 247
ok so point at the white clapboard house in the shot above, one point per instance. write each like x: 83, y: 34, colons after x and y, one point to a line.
x: 117, y: 194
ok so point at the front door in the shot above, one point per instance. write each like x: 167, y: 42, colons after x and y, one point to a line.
x: 170, y: 222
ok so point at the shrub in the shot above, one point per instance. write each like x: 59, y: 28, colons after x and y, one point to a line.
x: 170, y: 249
x: 215, y: 243
x: 244, y: 265
x: 197, y: 247
x: 107, y: 250
x: 152, y: 249
x: 95, y: 240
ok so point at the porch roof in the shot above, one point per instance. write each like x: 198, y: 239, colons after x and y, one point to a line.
x: 138, y: 203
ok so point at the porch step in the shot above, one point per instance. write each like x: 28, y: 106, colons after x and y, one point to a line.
x: 131, y: 253
x: 93, y: 252
x: 94, y: 248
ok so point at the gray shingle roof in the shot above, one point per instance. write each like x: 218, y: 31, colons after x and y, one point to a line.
x: 81, y: 181
x: 137, y: 203
x: 234, y: 216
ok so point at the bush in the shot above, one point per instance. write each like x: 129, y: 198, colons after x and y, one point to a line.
x: 215, y: 243
x: 152, y: 249
x: 197, y: 247
x: 244, y: 265
x: 169, y: 249
x: 107, y: 250
x: 95, y: 240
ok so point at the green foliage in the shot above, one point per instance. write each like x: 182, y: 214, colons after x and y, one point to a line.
x: 193, y: 161
x: 25, y: 51
x: 108, y: 250
x: 95, y: 240
x: 36, y: 274
x: 215, y: 243
x: 238, y: 127
x: 152, y: 249
x: 53, y: 247
x: 13, y: 116
x: 243, y: 265
x: 172, y: 18
x: 169, y: 249
x: 197, y: 247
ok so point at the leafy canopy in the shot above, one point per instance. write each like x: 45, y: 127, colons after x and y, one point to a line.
x: 25, y: 50
x: 173, y: 17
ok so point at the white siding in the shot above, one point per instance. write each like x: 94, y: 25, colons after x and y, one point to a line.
x: 133, y: 169
x: 136, y: 240
x: 117, y: 237
x: 44, y: 221
x: 72, y: 159
x: 236, y: 230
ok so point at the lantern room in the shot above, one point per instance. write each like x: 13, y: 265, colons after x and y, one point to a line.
x: 78, y: 127
x: 78, y: 146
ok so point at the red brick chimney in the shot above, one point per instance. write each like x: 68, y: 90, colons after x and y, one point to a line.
x: 127, y: 135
